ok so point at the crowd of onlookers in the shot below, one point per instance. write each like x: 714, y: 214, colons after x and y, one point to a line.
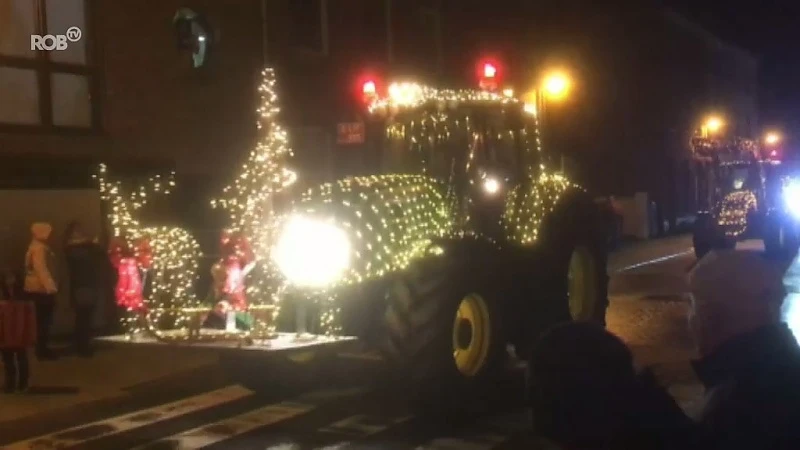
x: 587, y: 393
x: 29, y: 294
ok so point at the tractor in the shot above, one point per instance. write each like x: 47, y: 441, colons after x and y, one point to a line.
x: 744, y: 191
x: 458, y: 252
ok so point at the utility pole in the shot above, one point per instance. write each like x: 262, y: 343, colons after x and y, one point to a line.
x: 435, y: 13
x: 389, y: 35
x: 264, y: 36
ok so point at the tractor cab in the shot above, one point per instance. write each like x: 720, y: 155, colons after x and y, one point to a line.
x: 482, y: 145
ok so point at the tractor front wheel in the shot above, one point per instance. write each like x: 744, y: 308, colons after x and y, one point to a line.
x: 444, y: 334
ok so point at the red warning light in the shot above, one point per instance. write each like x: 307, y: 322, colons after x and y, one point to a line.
x: 489, y: 74
x: 489, y: 70
x: 370, y: 88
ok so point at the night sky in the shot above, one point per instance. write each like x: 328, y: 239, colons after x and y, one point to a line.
x: 771, y: 30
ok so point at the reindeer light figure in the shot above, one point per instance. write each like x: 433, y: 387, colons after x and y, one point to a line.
x: 163, y: 299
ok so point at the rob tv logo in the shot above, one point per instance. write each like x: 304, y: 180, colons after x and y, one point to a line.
x: 55, y: 41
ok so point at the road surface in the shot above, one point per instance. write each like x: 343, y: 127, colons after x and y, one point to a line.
x: 648, y: 310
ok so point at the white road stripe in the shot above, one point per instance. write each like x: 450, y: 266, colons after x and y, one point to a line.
x: 476, y: 442
x: 362, y: 425
x: 226, y: 429
x: 654, y: 261
x: 223, y: 430
x: 146, y: 417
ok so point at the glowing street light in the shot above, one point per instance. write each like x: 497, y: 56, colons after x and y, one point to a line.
x: 714, y: 124
x: 772, y: 138
x: 556, y: 85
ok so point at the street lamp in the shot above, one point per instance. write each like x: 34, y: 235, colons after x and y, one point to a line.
x: 556, y: 85
x: 772, y: 138
x: 712, y: 126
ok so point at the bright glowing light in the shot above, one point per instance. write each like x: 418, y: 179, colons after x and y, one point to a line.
x: 530, y: 108
x: 491, y: 185
x: 791, y: 197
x: 201, y: 38
x: 311, y: 252
x: 714, y: 124
x: 489, y: 70
x: 772, y: 138
x: 405, y: 94
x: 370, y: 88
x: 557, y: 85
x: 508, y: 92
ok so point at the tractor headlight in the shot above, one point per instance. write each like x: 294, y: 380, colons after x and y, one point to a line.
x: 311, y: 252
x: 791, y: 197
x: 492, y: 185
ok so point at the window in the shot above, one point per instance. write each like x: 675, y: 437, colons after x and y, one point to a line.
x: 47, y: 89
x: 309, y: 24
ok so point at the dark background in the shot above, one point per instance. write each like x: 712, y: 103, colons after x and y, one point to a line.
x: 770, y: 29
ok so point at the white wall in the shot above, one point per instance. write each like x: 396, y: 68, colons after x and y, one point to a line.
x: 635, y: 216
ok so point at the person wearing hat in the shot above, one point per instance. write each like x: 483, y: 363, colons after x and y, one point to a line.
x: 586, y: 393
x: 749, y: 360
x: 40, y: 285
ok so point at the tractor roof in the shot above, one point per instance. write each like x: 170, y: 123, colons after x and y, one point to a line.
x: 409, y: 96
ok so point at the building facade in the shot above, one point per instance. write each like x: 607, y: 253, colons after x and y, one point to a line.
x: 174, y: 84
x: 135, y: 87
x: 644, y: 79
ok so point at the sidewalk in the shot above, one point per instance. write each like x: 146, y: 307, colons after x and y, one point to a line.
x: 113, y: 373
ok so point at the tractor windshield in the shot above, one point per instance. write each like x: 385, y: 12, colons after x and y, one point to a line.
x: 737, y: 177
x: 475, y: 140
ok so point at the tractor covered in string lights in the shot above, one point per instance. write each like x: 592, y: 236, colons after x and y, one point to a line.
x: 462, y: 242
x: 744, y: 191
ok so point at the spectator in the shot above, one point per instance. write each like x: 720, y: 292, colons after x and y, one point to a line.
x: 40, y: 285
x: 586, y: 394
x: 85, y: 263
x: 17, y: 334
x: 749, y: 361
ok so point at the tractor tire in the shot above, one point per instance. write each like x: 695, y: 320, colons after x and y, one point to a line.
x: 445, y: 335
x: 702, y: 236
x: 577, y: 289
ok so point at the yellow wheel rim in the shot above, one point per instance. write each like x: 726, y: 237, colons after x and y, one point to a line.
x: 582, y: 284
x: 471, y: 335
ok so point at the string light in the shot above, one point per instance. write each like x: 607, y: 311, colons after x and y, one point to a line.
x: 249, y: 199
x: 413, y: 95
x: 734, y: 209
x: 526, y: 207
x: 393, y: 219
x: 175, y: 257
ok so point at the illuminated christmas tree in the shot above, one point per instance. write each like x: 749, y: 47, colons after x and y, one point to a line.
x: 249, y: 200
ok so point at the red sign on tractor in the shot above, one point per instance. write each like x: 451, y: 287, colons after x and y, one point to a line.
x: 350, y: 133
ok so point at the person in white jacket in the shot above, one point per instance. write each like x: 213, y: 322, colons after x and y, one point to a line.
x: 40, y: 285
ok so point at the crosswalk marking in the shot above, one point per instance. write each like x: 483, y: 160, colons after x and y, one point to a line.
x: 146, y: 417
x: 363, y: 425
x: 223, y: 430
x: 477, y: 442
